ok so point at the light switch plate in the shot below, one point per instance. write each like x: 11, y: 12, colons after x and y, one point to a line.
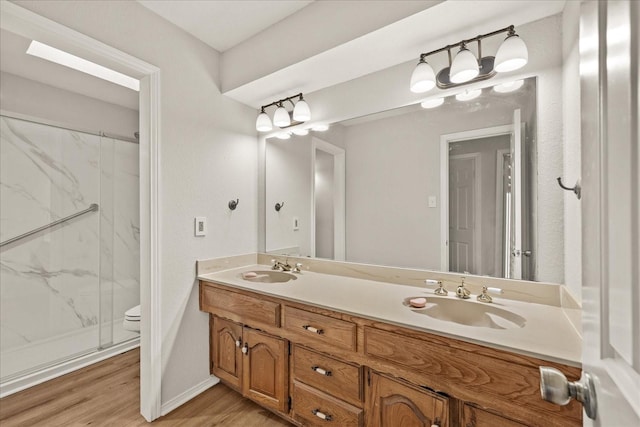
x: 432, y: 202
x: 200, y: 226
x: 296, y: 224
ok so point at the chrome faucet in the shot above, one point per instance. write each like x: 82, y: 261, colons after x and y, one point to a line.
x: 279, y: 266
x: 462, y: 292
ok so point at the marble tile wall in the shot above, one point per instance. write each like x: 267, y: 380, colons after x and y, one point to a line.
x: 50, y: 282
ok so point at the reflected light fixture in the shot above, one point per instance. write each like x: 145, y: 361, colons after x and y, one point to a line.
x: 61, y: 57
x: 508, y: 86
x: 300, y: 131
x: 283, y: 118
x: 320, y: 127
x: 466, y: 67
x: 283, y: 135
x: 432, y: 103
x: 468, y: 95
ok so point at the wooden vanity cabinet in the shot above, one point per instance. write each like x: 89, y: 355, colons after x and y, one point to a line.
x: 315, y: 366
x: 253, y: 362
x: 393, y: 402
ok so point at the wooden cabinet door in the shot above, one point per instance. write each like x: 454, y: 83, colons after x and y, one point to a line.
x: 393, y: 403
x: 265, y: 369
x: 226, y: 355
x: 475, y: 417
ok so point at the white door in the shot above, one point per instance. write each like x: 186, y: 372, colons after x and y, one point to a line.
x: 611, y: 209
x: 462, y: 214
x: 515, y: 231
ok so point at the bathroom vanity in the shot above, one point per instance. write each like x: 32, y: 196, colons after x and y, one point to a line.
x: 325, y: 349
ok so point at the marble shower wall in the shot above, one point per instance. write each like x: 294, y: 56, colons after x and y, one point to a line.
x: 50, y: 282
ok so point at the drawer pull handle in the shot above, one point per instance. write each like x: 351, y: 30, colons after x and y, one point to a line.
x: 321, y: 371
x: 314, y: 330
x: 322, y: 415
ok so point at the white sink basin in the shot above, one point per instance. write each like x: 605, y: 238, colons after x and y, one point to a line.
x: 268, y: 276
x: 469, y: 313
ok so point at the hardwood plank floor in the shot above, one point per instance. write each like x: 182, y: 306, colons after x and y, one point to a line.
x: 108, y: 394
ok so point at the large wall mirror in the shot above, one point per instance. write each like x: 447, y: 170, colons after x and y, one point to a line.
x: 454, y: 188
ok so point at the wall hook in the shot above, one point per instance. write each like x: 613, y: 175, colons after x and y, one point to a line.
x: 279, y: 206
x: 577, y: 189
x: 233, y: 204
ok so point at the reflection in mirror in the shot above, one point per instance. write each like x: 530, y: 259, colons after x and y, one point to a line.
x: 451, y: 188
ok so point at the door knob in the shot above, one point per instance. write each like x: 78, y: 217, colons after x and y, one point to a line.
x: 555, y: 388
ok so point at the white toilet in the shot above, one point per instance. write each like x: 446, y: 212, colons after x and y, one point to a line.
x: 131, y: 320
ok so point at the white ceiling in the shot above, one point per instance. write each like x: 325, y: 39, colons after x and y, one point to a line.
x: 223, y: 24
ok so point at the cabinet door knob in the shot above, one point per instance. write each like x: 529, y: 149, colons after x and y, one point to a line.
x: 238, y: 342
x: 322, y: 415
x: 321, y: 371
x: 312, y: 329
x: 245, y: 349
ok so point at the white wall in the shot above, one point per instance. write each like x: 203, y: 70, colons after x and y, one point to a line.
x: 288, y: 179
x: 572, y: 143
x: 38, y: 100
x: 208, y: 157
x: 393, y: 166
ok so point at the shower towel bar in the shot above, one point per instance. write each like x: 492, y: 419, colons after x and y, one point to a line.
x: 92, y: 208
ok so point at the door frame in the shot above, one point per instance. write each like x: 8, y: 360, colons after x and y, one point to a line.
x: 339, y: 189
x: 29, y: 24
x: 445, y: 140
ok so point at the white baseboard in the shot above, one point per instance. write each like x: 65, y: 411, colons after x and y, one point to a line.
x: 47, y: 374
x: 187, y: 395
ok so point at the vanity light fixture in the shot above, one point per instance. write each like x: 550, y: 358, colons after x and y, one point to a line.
x: 283, y: 118
x: 508, y: 86
x: 432, y: 103
x: 466, y: 68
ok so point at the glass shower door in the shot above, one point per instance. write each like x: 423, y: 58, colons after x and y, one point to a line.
x: 49, y: 280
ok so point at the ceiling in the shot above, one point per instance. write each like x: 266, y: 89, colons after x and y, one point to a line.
x: 222, y: 24
x: 326, y: 43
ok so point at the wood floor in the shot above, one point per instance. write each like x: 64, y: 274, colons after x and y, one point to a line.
x: 108, y: 394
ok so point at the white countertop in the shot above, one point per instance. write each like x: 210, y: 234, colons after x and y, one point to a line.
x: 547, y: 333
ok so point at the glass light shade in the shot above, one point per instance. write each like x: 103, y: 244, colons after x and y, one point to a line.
x: 512, y: 54
x: 263, y: 123
x: 320, y: 127
x: 464, y: 67
x: 468, y: 95
x: 423, y: 78
x: 301, y: 132
x: 281, y: 117
x: 508, y: 86
x: 283, y: 135
x: 301, y: 111
x: 432, y: 103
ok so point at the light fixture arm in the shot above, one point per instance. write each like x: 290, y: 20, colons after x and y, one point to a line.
x: 279, y: 102
x: 510, y: 30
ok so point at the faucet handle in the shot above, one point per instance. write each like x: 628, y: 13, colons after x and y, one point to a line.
x: 440, y: 290
x: 485, y: 297
x: 296, y: 268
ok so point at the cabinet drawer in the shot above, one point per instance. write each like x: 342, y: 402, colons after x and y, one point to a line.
x: 335, y: 377
x: 219, y: 301
x: 317, y: 328
x: 315, y: 408
x: 484, y: 378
